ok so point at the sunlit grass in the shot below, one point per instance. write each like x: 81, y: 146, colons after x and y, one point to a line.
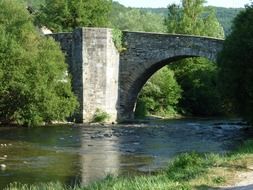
x: 187, y: 171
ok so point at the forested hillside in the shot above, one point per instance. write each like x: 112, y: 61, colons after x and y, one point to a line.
x: 224, y: 15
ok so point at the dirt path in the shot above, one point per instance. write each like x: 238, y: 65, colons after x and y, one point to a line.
x: 244, y: 181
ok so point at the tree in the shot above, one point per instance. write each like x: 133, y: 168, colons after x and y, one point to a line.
x: 193, y: 18
x: 198, y: 79
x: 34, y: 86
x: 160, y: 95
x: 66, y: 15
x: 136, y: 20
x: 236, y: 66
x: 196, y: 76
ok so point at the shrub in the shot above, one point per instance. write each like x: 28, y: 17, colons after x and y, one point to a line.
x: 100, y: 116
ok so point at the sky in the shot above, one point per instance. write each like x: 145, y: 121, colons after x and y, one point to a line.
x: 164, y: 3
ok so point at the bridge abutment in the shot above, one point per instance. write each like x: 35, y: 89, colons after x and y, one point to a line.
x: 94, y: 65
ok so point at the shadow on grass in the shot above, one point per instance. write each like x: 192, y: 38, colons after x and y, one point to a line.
x: 204, y: 187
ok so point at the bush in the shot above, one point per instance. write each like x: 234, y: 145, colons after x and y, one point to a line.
x: 117, y: 39
x: 236, y: 66
x: 34, y: 86
x: 160, y: 94
x: 100, y: 116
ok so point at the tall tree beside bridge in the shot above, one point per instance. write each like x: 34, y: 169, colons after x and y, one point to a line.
x: 34, y: 86
x: 66, y: 15
x: 236, y: 63
x: 196, y: 76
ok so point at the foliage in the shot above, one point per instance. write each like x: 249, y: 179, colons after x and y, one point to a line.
x: 236, y: 65
x: 187, y: 166
x: 245, y: 148
x: 135, y: 20
x: 100, y: 116
x: 160, y: 94
x: 198, y: 79
x: 224, y: 15
x: 193, y: 18
x: 117, y: 39
x: 196, y: 76
x: 34, y: 3
x: 65, y: 15
x: 34, y: 86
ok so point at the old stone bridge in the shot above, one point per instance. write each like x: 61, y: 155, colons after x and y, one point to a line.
x: 106, y: 80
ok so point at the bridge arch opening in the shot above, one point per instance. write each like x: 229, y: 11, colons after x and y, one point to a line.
x: 138, y: 85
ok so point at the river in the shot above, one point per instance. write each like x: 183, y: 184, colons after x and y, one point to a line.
x: 81, y: 154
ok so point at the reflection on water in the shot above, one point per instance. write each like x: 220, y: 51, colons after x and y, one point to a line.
x: 101, y: 157
x: 83, y: 154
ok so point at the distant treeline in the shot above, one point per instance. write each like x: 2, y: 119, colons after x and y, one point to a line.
x: 224, y: 15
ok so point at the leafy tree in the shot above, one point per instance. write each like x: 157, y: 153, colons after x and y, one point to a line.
x: 136, y: 20
x: 66, y: 15
x: 160, y: 94
x: 197, y: 77
x: 224, y: 15
x: 236, y: 64
x: 193, y: 18
x: 34, y: 86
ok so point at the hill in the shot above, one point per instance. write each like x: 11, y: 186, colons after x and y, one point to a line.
x: 224, y: 15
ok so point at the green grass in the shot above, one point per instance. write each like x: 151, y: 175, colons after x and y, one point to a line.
x: 187, y: 171
x: 100, y: 116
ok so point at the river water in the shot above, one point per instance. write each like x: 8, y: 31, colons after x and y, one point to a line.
x: 82, y: 154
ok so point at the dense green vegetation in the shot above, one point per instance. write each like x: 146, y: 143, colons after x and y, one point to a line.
x: 160, y: 95
x: 34, y: 3
x: 224, y: 15
x: 198, y: 79
x: 187, y: 171
x: 65, y: 15
x: 135, y: 20
x: 236, y: 68
x: 34, y: 85
x: 144, y: 19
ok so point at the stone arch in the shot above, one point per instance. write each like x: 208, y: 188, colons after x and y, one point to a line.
x: 147, y: 53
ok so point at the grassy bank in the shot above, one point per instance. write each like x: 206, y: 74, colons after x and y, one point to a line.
x: 185, y: 172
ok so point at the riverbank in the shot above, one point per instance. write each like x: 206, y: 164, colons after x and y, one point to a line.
x: 186, y: 171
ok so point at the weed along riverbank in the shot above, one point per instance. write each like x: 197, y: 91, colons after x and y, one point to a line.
x: 186, y: 171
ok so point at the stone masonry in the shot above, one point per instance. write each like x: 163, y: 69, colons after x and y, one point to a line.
x: 104, y: 80
x: 146, y: 53
x: 94, y: 65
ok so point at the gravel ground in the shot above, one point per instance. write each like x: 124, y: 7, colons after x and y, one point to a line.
x: 245, y: 181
